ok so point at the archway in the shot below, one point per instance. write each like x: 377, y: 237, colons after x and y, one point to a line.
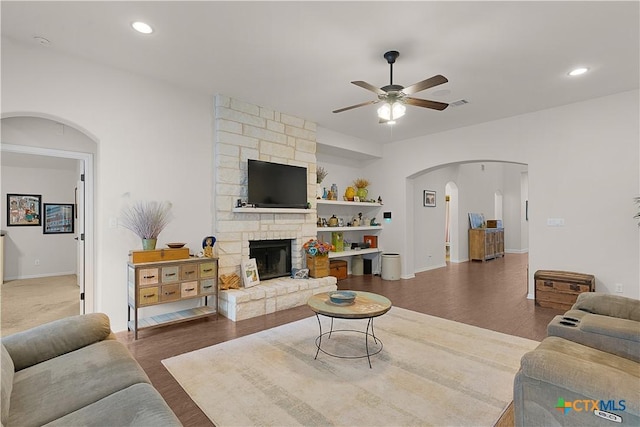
x: 40, y: 135
x: 471, y: 186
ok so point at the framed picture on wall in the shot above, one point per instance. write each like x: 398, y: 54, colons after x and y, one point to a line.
x: 429, y: 198
x: 58, y: 218
x: 23, y: 210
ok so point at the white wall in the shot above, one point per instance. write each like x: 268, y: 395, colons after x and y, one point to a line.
x: 582, y: 166
x: 56, y: 253
x: 154, y: 141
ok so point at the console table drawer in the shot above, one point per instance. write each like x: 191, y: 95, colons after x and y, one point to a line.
x: 149, y: 295
x: 207, y: 286
x: 208, y: 269
x: 148, y: 276
x: 189, y: 272
x: 170, y: 274
x: 189, y: 289
x: 170, y: 292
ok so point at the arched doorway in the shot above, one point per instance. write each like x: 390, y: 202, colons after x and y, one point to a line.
x: 475, y: 186
x: 43, y: 137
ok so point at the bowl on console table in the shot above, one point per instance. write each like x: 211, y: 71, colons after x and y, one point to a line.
x: 175, y: 245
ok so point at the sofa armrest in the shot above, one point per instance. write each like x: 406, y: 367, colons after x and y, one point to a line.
x: 611, y: 326
x: 608, y: 305
x: 611, y: 334
x: 56, y: 338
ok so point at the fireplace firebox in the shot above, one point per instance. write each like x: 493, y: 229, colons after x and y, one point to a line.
x: 273, y: 257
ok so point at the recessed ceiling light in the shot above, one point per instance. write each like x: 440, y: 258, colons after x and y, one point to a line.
x: 42, y: 40
x: 578, y: 71
x: 142, y: 27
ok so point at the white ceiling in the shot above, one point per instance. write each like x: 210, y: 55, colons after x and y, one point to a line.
x: 505, y: 58
x: 34, y: 161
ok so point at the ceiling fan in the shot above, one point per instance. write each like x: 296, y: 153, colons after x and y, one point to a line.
x: 395, y: 96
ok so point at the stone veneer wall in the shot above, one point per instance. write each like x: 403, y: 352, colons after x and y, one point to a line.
x: 245, y: 131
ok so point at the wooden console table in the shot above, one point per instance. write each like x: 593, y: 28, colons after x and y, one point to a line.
x: 153, y: 283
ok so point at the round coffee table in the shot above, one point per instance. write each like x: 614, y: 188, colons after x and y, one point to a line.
x: 366, y: 305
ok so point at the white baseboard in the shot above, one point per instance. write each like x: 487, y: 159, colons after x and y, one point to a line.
x: 517, y: 251
x: 530, y: 296
x: 37, y: 276
x: 433, y: 267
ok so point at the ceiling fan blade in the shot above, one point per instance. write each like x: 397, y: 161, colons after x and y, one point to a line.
x: 356, y: 106
x: 425, y: 84
x: 370, y: 87
x: 434, y: 105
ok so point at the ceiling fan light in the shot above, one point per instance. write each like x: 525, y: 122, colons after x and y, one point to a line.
x: 398, y: 110
x: 391, y: 111
x: 384, y: 112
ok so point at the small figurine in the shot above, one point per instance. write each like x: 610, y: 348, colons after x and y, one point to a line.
x: 207, y: 245
x: 379, y: 199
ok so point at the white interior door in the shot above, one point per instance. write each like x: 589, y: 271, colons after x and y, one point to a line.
x: 80, y: 235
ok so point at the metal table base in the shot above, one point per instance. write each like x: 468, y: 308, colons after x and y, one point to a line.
x: 369, y: 332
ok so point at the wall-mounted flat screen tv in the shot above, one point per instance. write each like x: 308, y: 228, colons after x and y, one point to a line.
x: 274, y: 185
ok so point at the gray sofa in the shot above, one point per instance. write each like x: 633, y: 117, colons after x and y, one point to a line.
x: 72, y: 372
x: 587, y: 371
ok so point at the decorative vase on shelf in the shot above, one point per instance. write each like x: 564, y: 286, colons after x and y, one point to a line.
x: 319, y: 192
x: 362, y: 194
x: 325, y: 193
x: 349, y: 193
x: 149, y: 244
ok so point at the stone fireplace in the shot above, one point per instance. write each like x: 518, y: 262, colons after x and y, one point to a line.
x: 245, y: 131
x: 273, y: 257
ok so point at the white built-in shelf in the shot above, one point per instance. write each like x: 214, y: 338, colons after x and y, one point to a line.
x: 329, y: 229
x: 353, y: 252
x: 346, y: 203
x: 274, y: 210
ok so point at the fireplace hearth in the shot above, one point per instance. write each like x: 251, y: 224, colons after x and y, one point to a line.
x: 273, y: 257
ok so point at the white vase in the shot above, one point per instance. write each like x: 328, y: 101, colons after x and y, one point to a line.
x: 319, y: 191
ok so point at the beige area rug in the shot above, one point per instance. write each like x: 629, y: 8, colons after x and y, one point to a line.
x: 32, y: 302
x: 431, y: 371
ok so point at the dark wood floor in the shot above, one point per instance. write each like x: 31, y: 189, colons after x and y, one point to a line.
x: 490, y: 295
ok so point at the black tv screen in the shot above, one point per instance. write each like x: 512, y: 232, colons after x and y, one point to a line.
x: 274, y: 185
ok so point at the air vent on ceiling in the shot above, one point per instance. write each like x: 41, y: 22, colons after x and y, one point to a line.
x: 459, y: 103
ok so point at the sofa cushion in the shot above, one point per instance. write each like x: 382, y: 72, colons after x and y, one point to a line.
x: 59, y: 386
x: 7, y: 384
x: 138, y: 405
x: 55, y: 338
x: 584, y: 370
x: 608, y: 305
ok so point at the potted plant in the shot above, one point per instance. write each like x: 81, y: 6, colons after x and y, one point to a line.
x: 321, y: 174
x: 361, y: 185
x: 147, y: 220
x: 317, y: 257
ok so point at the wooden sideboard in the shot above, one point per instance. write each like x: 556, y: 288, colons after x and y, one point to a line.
x: 154, y: 283
x: 486, y: 243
